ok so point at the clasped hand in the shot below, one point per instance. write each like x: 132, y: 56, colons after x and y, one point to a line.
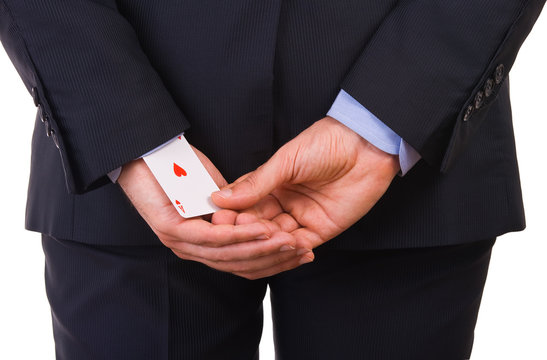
x: 312, y: 189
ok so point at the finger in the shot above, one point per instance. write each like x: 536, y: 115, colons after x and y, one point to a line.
x: 246, y: 251
x: 267, y: 208
x: 257, y: 184
x: 224, y: 216
x: 247, y: 218
x: 287, y: 265
x: 286, y: 222
x: 240, y: 179
x: 198, y: 231
x: 244, y: 266
x: 307, y: 239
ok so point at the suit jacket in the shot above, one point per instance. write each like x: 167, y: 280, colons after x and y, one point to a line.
x: 113, y: 79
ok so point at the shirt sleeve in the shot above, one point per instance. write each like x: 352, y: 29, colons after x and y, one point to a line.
x: 355, y: 116
x: 432, y: 69
x: 115, y: 174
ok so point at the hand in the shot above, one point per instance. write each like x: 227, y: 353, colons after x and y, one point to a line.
x: 323, y: 181
x: 250, y: 249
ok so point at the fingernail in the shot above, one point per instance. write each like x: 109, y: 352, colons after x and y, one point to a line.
x: 302, y: 251
x: 306, y: 260
x: 226, y: 193
x: 287, y: 248
x: 263, y: 237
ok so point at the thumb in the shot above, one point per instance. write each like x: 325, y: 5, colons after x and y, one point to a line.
x: 254, y: 186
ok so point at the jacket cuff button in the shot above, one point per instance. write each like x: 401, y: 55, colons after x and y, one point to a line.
x: 500, y: 72
x: 468, y: 113
x: 489, y: 87
x: 479, y: 99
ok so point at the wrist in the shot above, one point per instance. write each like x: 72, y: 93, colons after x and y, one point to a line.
x: 387, y: 164
x: 132, y: 170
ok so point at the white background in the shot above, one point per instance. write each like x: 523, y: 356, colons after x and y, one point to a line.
x: 513, y: 319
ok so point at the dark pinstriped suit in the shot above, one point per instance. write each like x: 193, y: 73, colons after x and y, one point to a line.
x: 114, y: 79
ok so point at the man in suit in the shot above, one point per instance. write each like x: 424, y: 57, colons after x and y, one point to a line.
x: 403, y: 259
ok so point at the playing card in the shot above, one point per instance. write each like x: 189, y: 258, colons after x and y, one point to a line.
x: 183, y: 178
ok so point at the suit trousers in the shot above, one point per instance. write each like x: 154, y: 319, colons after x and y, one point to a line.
x: 142, y: 302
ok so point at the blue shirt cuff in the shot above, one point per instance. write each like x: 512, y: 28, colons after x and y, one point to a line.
x: 355, y: 116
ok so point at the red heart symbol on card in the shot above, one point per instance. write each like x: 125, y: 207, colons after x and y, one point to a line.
x: 178, y: 170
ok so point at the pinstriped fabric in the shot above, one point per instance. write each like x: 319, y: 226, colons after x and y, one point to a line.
x: 135, y: 302
x: 313, y: 53
x: 418, y: 304
x: 249, y: 76
x: 115, y: 302
x: 95, y: 94
x: 437, y: 47
x: 214, y: 59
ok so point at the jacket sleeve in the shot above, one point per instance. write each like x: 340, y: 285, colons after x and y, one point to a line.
x: 101, y: 101
x: 433, y: 67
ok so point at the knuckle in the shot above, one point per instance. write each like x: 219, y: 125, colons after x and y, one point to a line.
x: 180, y: 247
x: 220, y: 256
x: 278, y: 260
x: 181, y: 255
x: 211, y: 239
x: 260, y: 253
x: 165, y: 241
x: 253, y: 184
x: 216, y: 239
x: 239, y: 268
x: 207, y: 243
x: 163, y: 230
x: 251, y: 180
x: 255, y: 253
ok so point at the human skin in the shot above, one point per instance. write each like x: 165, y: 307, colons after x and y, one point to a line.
x: 312, y: 189
x: 315, y: 186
